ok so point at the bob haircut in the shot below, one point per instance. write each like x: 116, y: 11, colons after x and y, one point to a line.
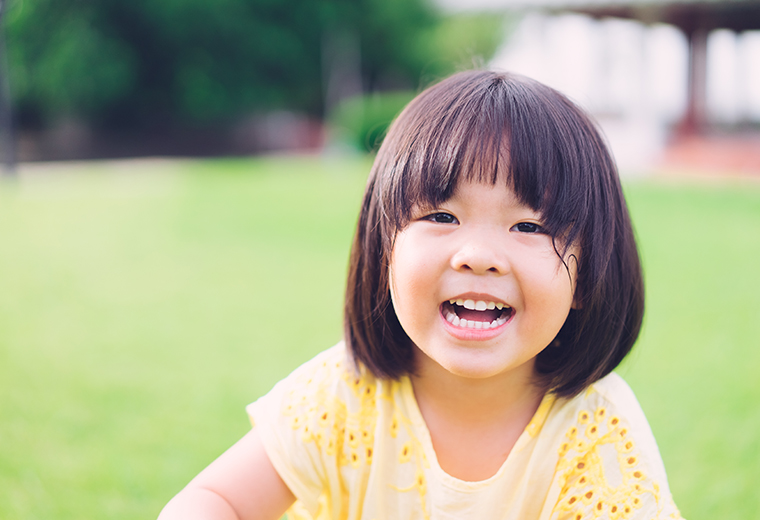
x: 485, y: 126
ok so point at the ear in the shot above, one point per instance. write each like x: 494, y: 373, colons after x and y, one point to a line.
x: 573, y: 258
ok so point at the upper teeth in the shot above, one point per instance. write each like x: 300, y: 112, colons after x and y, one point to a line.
x: 478, y: 305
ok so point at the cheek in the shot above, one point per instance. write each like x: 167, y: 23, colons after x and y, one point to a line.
x: 549, y: 285
x: 409, y: 280
x: 412, y: 281
x: 404, y: 298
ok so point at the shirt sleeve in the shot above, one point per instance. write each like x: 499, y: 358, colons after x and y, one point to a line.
x: 298, y: 423
x: 609, y: 465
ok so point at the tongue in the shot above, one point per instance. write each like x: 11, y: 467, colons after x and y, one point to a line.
x: 469, y: 315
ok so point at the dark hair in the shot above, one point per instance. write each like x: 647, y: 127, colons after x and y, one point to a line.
x: 472, y: 126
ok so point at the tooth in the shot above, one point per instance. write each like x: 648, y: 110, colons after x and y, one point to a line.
x: 469, y: 304
x: 452, y: 302
x: 494, y: 324
x: 460, y: 302
x: 478, y: 324
x: 480, y: 305
x: 491, y: 306
x: 456, y: 320
x: 463, y: 323
x: 471, y: 324
x: 500, y: 306
x: 450, y: 317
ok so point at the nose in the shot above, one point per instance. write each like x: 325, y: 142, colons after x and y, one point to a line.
x: 481, y: 255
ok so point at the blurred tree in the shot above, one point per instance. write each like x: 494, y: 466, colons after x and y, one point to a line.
x: 465, y: 40
x: 455, y: 42
x: 61, y: 61
x: 128, y: 63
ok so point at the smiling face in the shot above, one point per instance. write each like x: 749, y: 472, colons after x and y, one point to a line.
x: 477, y: 284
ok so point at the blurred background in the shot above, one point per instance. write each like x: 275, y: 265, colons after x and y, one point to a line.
x: 182, y: 179
x: 671, y: 82
x: 195, y: 78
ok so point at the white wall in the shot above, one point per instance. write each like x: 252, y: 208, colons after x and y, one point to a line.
x: 633, y: 77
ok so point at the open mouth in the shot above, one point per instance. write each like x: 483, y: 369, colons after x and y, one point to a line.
x: 475, y: 314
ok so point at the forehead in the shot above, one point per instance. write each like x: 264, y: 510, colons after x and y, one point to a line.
x: 494, y: 202
x: 472, y: 185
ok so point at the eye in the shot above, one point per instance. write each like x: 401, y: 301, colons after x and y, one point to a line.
x: 528, y: 227
x: 441, y: 218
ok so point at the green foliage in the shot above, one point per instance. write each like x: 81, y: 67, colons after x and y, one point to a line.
x: 60, y: 61
x: 143, y: 62
x: 464, y: 41
x: 362, y: 121
x: 191, y: 60
x: 141, y: 312
x: 456, y: 42
x: 391, y: 33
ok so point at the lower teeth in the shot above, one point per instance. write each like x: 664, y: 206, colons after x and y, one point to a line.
x: 472, y: 324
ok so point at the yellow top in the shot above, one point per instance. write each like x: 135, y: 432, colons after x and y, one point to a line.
x: 355, y: 447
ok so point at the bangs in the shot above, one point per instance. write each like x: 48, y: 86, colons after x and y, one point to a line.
x: 502, y: 128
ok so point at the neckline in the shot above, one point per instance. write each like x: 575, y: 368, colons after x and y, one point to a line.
x: 423, y: 435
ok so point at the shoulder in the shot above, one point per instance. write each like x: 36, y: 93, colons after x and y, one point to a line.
x: 316, y: 421
x: 324, y: 405
x: 324, y: 381
x: 609, y: 465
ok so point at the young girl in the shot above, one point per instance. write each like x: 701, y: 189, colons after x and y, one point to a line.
x: 494, y: 284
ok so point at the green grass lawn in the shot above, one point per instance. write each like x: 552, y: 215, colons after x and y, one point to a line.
x: 142, y: 307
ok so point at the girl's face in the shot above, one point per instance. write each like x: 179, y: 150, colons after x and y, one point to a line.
x: 478, y: 286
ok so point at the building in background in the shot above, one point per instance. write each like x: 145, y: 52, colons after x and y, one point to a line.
x: 668, y: 80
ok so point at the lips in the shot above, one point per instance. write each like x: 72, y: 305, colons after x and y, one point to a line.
x: 475, y: 314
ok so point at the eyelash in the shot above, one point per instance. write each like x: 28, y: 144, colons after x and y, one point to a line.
x: 522, y: 227
x: 448, y: 218
x: 533, y: 228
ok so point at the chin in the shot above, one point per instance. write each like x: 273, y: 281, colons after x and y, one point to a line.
x: 475, y: 367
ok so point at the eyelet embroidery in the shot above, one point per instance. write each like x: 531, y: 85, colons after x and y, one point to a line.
x: 324, y: 419
x: 347, y: 433
x: 587, y: 491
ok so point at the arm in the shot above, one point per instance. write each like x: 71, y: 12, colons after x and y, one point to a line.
x: 241, y: 484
